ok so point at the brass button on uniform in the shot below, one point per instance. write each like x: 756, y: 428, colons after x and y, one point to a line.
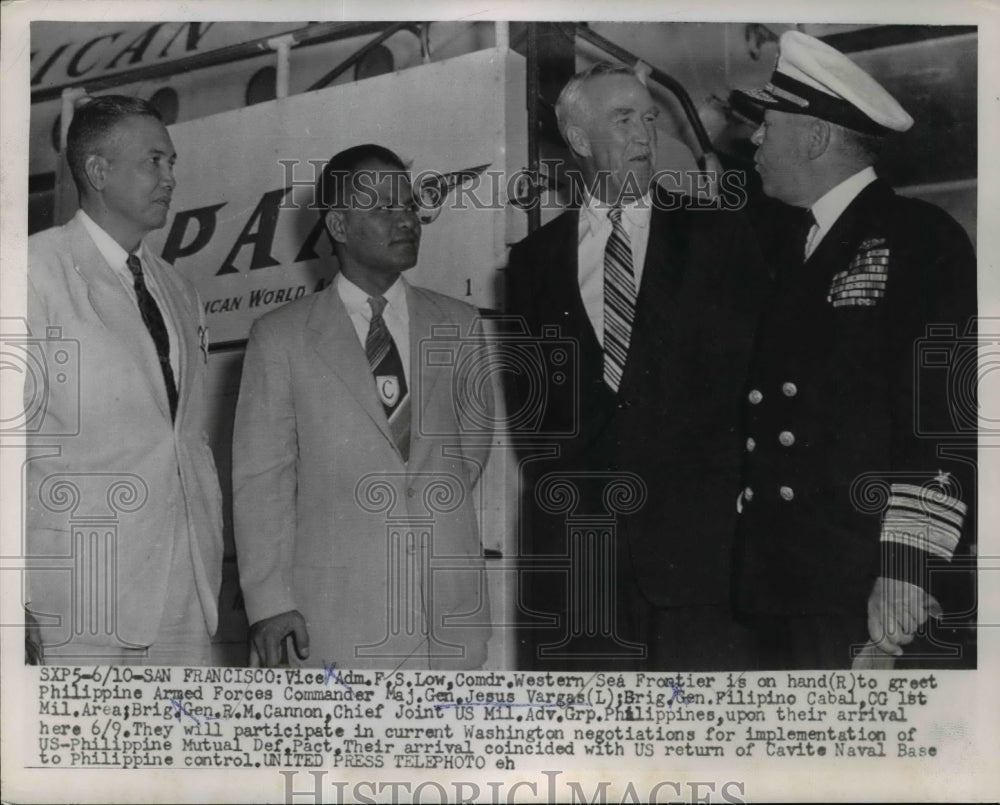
x: 787, y: 438
x: 787, y: 493
x: 755, y: 396
x: 751, y: 444
x: 789, y: 389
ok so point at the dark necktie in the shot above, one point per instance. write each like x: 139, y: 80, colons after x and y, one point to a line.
x: 619, y: 299
x: 390, y: 381
x: 153, y: 320
x: 804, y: 222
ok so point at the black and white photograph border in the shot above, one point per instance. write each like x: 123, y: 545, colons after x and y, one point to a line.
x: 962, y: 708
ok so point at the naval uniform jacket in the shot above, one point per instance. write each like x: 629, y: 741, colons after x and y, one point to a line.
x: 860, y: 450
x: 674, y: 422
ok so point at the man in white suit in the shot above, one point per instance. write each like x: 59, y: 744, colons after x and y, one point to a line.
x: 355, y: 455
x: 123, y: 507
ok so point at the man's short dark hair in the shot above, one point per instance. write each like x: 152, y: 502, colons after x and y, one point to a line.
x: 334, y: 181
x: 91, y: 123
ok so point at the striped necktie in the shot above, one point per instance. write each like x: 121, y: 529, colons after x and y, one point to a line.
x: 619, y: 299
x: 153, y: 319
x: 390, y: 380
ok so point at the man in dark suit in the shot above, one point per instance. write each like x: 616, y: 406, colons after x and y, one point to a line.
x: 123, y: 453
x: 630, y: 464
x: 851, y: 496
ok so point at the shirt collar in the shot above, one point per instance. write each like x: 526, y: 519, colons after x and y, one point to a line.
x: 109, y: 248
x: 594, y: 213
x: 356, y: 300
x: 830, y: 207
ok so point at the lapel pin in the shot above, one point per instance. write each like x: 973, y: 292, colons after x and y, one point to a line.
x: 203, y: 342
x: 388, y: 389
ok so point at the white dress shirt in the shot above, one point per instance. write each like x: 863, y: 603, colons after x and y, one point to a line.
x: 116, y: 257
x: 831, y: 206
x: 594, y: 230
x: 396, y: 315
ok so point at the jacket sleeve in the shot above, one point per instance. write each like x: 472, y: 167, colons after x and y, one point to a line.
x: 517, y: 390
x: 932, y: 305
x: 265, y: 448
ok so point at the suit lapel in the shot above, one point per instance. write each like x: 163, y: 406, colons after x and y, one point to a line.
x: 840, y: 243
x: 560, y: 282
x: 116, y: 310
x: 662, y: 274
x: 426, y: 389
x: 336, y: 343
x: 657, y: 307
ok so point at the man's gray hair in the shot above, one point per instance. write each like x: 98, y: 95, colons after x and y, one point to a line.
x: 571, y: 99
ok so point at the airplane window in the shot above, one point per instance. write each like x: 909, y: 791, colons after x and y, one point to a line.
x: 262, y: 86
x: 166, y: 102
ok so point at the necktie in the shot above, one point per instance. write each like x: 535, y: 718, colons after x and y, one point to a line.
x: 619, y: 299
x: 390, y: 381
x: 153, y: 320
x: 803, y: 230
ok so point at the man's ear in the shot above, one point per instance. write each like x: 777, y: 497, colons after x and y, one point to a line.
x: 818, y: 133
x: 95, y: 167
x: 336, y: 225
x: 578, y: 141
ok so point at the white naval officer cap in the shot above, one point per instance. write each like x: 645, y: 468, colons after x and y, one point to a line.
x: 812, y: 78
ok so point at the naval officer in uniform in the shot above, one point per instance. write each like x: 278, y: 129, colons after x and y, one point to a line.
x: 858, y: 490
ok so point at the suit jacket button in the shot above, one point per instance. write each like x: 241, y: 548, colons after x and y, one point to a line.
x: 755, y: 396
x: 751, y: 444
x: 789, y: 389
x: 787, y: 438
x: 787, y: 493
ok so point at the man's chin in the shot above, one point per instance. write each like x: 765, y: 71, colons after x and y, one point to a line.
x: 406, y: 255
x: 157, y: 219
x: 405, y: 264
x: 635, y: 186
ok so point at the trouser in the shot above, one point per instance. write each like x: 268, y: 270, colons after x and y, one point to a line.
x: 808, y: 642
x: 182, y: 637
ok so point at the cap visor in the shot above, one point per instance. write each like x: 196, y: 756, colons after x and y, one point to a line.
x: 753, y: 103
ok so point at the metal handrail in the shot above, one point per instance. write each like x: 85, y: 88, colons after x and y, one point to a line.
x: 534, y: 97
x: 314, y: 34
x: 363, y: 51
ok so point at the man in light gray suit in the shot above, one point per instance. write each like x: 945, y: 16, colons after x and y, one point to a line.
x: 123, y: 507
x: 355, y: 458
